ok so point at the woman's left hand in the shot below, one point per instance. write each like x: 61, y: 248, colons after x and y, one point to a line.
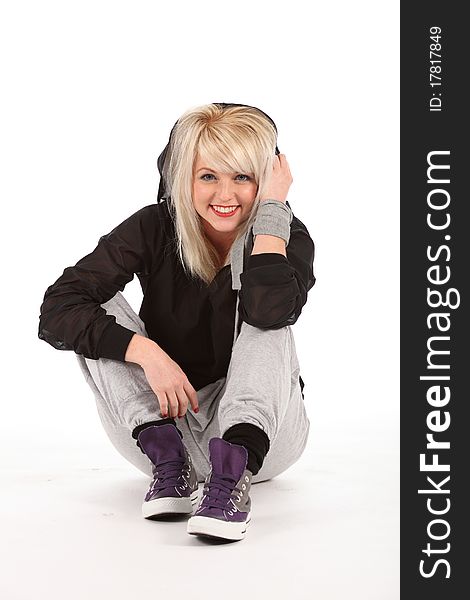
x: 280, y: 182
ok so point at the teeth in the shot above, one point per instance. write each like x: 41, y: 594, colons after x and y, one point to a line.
x: 221, y: 209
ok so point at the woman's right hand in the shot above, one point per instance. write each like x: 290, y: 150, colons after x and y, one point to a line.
x: 166, y: 378
x: 170, y: 384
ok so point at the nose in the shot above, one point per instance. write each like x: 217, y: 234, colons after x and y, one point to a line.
x: 225, y: 192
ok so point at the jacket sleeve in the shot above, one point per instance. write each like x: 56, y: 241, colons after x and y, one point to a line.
x: 274, y: 288
x: 71, y: 317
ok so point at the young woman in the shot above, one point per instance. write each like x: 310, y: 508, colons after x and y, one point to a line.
x: 225, y: 268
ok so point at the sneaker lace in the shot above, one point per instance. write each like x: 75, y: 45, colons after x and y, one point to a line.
x: 218, y: 491
x: 168, y: 474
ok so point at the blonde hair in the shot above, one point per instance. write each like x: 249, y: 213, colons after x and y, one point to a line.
x: 231, y: 139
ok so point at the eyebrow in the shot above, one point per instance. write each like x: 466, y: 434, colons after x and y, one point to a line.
x: 212, y: 171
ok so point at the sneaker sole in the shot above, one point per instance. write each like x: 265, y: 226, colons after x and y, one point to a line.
x: 169, y: 506
x: 217, y: 528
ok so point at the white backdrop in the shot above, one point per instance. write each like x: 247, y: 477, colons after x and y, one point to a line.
x: 91, y: 91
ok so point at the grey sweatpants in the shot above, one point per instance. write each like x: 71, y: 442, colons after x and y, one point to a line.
x: 262, y: 387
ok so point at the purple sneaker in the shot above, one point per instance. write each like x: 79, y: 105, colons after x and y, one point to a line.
x: 174, y: 489
x: 225, y: 507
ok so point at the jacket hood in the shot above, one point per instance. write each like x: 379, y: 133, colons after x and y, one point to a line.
x: 162, y: 192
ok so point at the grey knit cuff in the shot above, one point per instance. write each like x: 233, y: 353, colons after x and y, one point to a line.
x: 273, y: 218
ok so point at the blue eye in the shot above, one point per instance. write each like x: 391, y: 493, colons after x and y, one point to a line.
x: 203, y: 177
x: 247, y: 178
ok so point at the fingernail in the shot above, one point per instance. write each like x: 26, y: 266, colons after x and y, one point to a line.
x: 196, y: 410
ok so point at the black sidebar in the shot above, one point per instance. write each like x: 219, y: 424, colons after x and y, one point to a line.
x: 435, y: 269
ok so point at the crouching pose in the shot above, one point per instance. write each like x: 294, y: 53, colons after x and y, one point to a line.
x: 203, y: 385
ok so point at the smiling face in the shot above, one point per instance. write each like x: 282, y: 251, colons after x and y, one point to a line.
x: 223, y: 200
